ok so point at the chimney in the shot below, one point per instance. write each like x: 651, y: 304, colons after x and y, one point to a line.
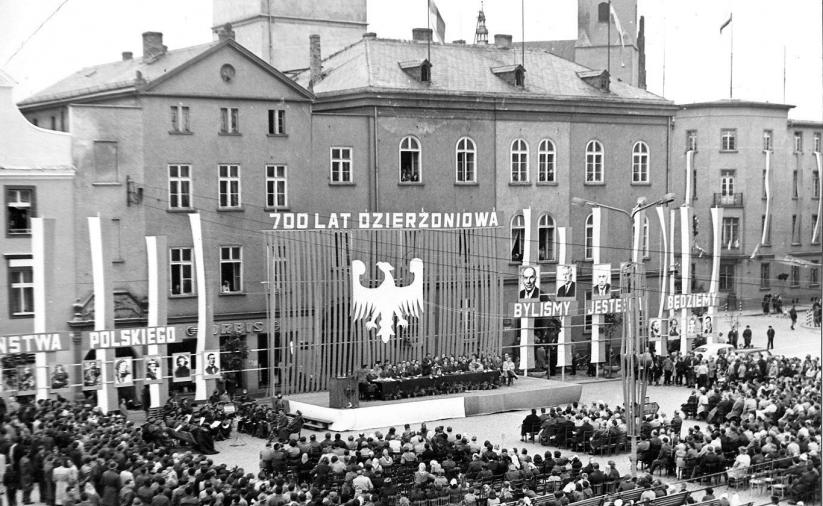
x: 370, y: 35
x: 127, y: 55
x: 421, y: 34
x: 225, y: 32
x: 315, y: 60
x: 153, y: 45
x: 503, y: 41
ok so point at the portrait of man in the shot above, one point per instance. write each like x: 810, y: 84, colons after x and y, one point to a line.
x: 154, y: 369
x: 529, y: 282
x: 601, y: 281
x: 566, y: 281
x: 182, y: 370
x: 707, y: 325
x: 9, y: 379
x: 674, y: 331
x: 26, y: 380
x: 59, y: 377
x: 91, y: 374
x: 123, y: 372
x: 657, y: 328
x: 212, y: 363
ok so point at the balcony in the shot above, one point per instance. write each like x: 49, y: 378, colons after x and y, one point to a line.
x: 728, y: 200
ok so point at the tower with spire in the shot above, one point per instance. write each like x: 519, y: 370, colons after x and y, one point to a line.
x: 481, y: 33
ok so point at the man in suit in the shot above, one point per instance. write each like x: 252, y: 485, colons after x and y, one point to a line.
x: 529, y: 282
x: 603, y: 287
x: 568, y: 288
x: 212, y: 368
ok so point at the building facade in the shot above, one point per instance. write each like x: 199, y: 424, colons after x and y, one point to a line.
x: 763, y: 170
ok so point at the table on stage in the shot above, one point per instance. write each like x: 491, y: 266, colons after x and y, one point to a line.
x: 404, y: 387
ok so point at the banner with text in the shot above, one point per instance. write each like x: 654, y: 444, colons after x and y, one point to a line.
x: 380, y: 221
x: 34, y: 343
x: 123, y: 338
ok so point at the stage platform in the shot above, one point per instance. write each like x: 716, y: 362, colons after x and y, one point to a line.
x: 526, y: 393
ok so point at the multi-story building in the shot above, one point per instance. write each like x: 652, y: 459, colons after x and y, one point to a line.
x: 763, y: 170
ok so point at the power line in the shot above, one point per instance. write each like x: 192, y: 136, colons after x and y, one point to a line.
x: 39, y: 27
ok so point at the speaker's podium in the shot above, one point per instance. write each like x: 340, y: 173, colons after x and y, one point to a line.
x: 343, y: 392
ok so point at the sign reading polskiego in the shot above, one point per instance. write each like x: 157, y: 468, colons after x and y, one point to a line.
x: 378, y: 221
x: 120, y: 338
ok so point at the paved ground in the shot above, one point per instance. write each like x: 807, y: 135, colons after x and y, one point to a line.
x: 503, y: 428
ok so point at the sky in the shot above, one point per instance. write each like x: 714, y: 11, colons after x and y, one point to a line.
x: 45, y: 40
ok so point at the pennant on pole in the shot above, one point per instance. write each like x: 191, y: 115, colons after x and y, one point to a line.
x: 436, y: 22
x: 617, y: 25
x: 727, y: 23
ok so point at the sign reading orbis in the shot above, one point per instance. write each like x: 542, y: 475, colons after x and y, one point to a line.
x: 121, y: 338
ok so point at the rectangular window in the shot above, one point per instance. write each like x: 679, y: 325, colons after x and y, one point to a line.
x: 21, y: 290
x: 795, y: 190
x: 814, y: 276
x: 19, y: 209
x: 276, y: 186
x: 726, y: 182
x: 798, y: 142
x: 229, y: 117
x: 816, y: 184
x: 105, y: 162
x: 795, y: 229
x: 341, y: 163
x: 767, y: 140
x: 814, y: 240
x: 277, y: 122
x: 691, y: 140
x: 228, y: 182
x: 816, y: 147
x: 231, y: 269
x: 768, y: 230
x: 728, y: 139
x: 765, y: 275
x: 731, y: 233
x: 179, y: 187
x: 180, y: 119
x: 181, y: 267
x: 794, y: 277
x: 726, y: 279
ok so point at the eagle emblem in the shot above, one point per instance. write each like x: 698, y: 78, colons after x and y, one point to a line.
x: 387, y: 300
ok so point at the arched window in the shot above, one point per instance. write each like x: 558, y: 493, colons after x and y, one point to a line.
x: 409, y: 160
x: 466, y: 161
x: 588, y: 242
x: 545, y: 238
x: 545, y: 162
x: 594, y: 162
x: 644, y: 238
x: 520, y: 161
x: 640, y: 163
x: 518, y: 237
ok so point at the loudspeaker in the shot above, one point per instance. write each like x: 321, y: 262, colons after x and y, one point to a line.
x: 343, y: 392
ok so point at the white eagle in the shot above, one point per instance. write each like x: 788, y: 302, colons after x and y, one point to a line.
x: 387, y: 300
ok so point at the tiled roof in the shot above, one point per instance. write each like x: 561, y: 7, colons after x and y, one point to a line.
x: 116, y: 75
x: 460, y: 68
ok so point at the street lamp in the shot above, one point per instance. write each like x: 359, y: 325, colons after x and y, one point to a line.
x: 631, y: 343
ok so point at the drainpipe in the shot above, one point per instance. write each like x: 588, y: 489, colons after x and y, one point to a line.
x: 376, y: 192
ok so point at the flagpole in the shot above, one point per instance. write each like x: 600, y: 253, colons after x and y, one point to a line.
x: 609, y: 42
x: 523, y: 33
x: 731, y: 61
x: 429, y: 27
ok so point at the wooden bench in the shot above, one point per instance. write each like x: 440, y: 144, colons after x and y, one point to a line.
x: 671, y: 500
x: 592, y: 501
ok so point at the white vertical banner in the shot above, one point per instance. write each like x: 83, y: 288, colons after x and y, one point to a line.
x: 689, y: 172
x: 717, y: 248
x: 685, y: 271
x: 563, y: 238
x: 764, y: 234
x: 202, y: 324
x: 817, y: 224
x: 154, y: 310
x: 526, y: 324
x: 663, y: 349
x: 637, y: 233
x: 597, y: 215
x: 104, y: 402
x: 38, y: 256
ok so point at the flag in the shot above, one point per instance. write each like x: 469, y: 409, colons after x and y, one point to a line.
x: 727, y: 23
x: 617, y: 24
x: 436, y: 22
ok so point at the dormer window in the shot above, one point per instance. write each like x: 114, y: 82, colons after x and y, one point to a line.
x: 420, y: 70
x: 596, y: 78
x: 512, y: 74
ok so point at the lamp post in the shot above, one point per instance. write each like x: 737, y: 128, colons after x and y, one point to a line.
x: 634, y: 387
